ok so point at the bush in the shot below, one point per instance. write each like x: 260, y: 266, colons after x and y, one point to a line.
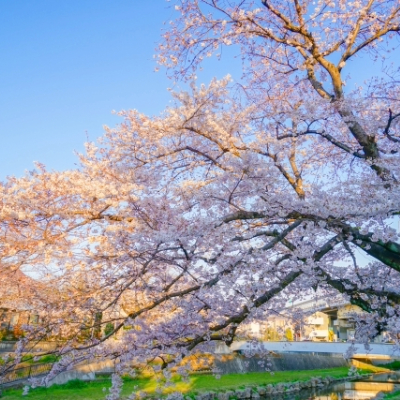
x: 289, y: 335
x: 18, y: 332
x: 7, y: 335
x: 272, y: 335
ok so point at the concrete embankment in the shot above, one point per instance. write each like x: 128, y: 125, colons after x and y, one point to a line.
x: 374, y: 351
x: 278, y: 362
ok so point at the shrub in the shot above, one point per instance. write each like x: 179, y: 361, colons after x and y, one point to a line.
x: 289, y: 335
x: 17, y: 331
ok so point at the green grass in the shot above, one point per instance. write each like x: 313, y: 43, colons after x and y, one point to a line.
x: 77, y: 390
x: 393, y: 396
x: 32, y: 359
x: 394, y: 365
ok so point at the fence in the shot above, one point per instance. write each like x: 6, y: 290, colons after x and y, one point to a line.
x: 25, y: 372
x: 7, y: 346
x: 34, y: 347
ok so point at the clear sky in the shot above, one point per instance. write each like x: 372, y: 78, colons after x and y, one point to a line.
x: 65, y: 65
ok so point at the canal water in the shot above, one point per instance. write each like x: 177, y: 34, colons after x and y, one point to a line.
x: 362, y: 389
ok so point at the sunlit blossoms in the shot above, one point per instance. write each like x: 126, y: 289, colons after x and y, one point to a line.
x: 178, y: 228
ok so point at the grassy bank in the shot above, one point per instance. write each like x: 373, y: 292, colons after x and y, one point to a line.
x: 393, y: 396
x: 78, y: 390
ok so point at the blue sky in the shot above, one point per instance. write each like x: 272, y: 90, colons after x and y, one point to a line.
x: 65, y: 65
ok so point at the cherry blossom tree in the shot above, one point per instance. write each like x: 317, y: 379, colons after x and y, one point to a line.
x: 178, y: 228
x: 294, y: 56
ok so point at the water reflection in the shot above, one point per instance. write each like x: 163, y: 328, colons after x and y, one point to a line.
x: 393, y: 377
x: 366, y: 389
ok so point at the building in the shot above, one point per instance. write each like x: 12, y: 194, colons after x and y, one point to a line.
x: 16, y: 308
x: 315, y: 319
